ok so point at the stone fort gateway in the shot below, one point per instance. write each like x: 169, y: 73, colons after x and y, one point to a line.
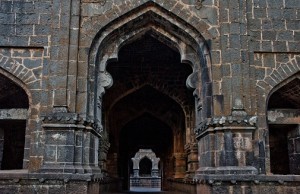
x: 177, y: 96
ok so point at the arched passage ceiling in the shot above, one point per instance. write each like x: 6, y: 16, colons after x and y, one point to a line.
x: 288, y: 96
x: 12, y: 95
x: 149, y: 61
x: 146, y: 132
x: 146, y: 100
x: 148, y: 78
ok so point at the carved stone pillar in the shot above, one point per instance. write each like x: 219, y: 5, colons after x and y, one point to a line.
x: 294, y: 150
x: 103, y: 150
x: 192, y: 158
x: 112, y: 164
x: 1, y: 145
x: 179, y: 165
x: 136, y: 167
x: 70, y: 146
x: 155, y: 170
x: 225, y: 144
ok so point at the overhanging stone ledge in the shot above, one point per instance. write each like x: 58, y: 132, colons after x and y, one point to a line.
x: 13, y: 114
x: 246, y: 178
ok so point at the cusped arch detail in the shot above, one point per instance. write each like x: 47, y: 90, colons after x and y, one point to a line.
x: 163, y: 25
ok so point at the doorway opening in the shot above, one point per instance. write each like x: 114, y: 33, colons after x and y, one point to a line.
x: 13, y: 113
x: 145, y: 107
x: 284, y: 130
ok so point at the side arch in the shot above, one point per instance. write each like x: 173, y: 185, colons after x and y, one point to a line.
x: 15, y: 104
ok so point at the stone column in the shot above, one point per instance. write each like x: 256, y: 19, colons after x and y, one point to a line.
x: 136, y: 167
x: 70, y: 146
x: 155, y: 170
x: 112, y: 164
x: 103, y: 150
x: 179, y: 165
x: 225, y: 144
x: 192, y: 158
x: 294, y: 150
x: 1, y: 145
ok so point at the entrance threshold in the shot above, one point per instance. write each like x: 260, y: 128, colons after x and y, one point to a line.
x: 144, y: 189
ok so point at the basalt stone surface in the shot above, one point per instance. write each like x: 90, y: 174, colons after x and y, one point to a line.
x: 210, y: 86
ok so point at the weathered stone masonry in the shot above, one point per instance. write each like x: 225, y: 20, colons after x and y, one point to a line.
x: 214, y: 85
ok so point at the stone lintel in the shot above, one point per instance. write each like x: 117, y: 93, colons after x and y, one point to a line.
x: 13, y: 114
x: 284, y: 116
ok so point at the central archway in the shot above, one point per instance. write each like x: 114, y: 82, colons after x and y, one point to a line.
x: 149, y: 51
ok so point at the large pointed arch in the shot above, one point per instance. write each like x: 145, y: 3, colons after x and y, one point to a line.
x: 166, y: 27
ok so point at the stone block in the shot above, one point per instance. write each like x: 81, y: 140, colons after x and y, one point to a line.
x: 275, y: 13
x: 59, y: 137
x: 50, y: 153
x: 259, y: 12
x: 38, y: 41
x: 23, y: 7
x: 65, y: 154
x: 292, y: 4
x: 268, y: 35
x: 7, y: 18
x: 42, y: 30
x: 24, y: 18
x: 285, y: 36
x: 279, y: 46
x: 43, y: 6
x: 275, y: 3
x: 7, y: 29
x: 45, y: 19
x: 293, y: 46
x: 293, y: 24
x: 289, y: 14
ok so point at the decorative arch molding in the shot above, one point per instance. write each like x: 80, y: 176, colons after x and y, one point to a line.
x: 17, y: 69
x: 163, y: 25
x: 280, y: 73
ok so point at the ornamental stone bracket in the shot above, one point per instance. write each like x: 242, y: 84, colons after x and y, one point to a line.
x: 239, y: 119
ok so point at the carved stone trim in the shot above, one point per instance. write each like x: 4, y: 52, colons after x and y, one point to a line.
x: 237, y: 120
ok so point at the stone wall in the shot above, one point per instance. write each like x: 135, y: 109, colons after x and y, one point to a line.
x: 241, y: 52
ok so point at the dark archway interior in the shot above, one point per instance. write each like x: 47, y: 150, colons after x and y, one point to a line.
x: 284, y: 158
x: 288, y: 96
x: 12, y: 132
x: 12, y: 95
x: 144, y: 107
x: 145, y: 132
x: 145, y: 167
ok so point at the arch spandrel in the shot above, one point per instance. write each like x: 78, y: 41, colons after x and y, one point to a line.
x: 119, y: 9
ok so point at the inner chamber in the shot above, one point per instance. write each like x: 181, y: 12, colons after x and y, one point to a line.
x: 145, y: 107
